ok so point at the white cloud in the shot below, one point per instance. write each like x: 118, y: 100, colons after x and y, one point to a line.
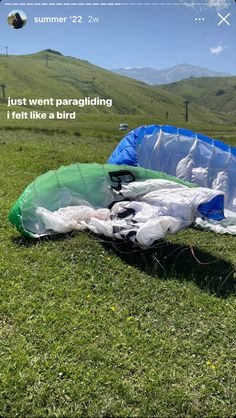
x: 188, y: 4
x: 216, y: 50
x: 218, y: 4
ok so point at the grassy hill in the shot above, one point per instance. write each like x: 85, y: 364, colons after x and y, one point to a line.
x: 66, y: 77
x: 215, y: 93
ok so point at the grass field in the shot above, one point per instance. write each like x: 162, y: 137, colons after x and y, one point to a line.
x: 92, y: 329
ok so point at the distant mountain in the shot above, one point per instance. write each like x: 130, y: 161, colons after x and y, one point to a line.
x: 153, y: 76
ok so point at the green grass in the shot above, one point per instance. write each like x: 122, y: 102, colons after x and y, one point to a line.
x: 94, y: 329
x: 100, y: 126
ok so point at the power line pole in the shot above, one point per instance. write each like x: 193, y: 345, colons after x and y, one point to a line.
x: 93, y: 81
x: 186, y: 110
x: 6, y: 48
x: 3, y: 90
x: 48, y: 58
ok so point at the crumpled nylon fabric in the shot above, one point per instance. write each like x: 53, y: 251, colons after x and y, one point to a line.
x: 149, y: 211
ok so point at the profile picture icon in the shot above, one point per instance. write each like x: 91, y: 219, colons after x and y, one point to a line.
x: 17, y: 19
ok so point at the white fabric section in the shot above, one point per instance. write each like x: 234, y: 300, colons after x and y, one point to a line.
x: 226, y: 226
x: 157, y: 208
x: 139, y: 188
x: 191, y: 159
x: 70, y: 218
x: 221, y: 182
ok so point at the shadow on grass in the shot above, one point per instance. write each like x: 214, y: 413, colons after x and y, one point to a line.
x: 164, y: 260
x: 28, y: 242
x: 182, y: 262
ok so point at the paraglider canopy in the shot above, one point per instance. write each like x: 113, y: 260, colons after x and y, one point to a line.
x: 122, y: 202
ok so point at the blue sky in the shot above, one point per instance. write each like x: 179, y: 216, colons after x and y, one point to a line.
x: 131, y: 36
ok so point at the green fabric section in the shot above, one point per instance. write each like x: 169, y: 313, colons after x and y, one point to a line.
x: 62, y: 187
x: 15, y: 216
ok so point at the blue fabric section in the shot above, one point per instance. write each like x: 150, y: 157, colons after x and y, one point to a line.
x: 205, y: 138
x: 186, y: 132
x: 125, y: 152
x: 137, y: 136
x: 126, y: 156
x: 170, y: 129
x: 222, y: 146
x: 214, y: 209
x: 150, y: 129
x: 140, y: 135
x: 233, y: 150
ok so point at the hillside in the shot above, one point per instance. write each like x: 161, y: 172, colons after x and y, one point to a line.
x: 216, y: 94
x: 67, y: 77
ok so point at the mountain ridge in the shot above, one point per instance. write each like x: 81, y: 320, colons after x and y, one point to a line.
x: 178, y: 72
